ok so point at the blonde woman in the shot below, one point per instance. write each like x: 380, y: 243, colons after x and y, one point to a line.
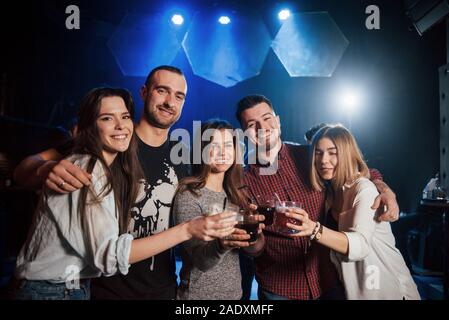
x: 362, y: 249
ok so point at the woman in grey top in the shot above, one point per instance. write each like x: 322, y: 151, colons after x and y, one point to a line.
x: 81, y: 235
x: 211, y: 270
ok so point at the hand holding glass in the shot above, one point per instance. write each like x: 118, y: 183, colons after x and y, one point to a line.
x: 280, y: 219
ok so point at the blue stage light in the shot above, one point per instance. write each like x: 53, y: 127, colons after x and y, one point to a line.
x: 224, y: 20
x: 284, y: 14
x: 226, y: 55
x: 177, y: 19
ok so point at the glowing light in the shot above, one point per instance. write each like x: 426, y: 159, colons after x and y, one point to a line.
x: 350, y: 100
x: 284, y: 14
x: 224, y: 20
x: 177, y: 19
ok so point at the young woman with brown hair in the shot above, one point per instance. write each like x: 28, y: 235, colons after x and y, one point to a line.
x: 211, y: 270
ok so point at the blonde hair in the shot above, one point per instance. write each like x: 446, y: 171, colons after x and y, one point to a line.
x: 350, y: 160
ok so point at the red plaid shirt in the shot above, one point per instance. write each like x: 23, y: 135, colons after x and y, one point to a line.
x: 287, y: 267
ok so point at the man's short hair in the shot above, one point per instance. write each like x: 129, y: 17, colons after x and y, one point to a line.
x: 164, y: 67
x: 249, y: 102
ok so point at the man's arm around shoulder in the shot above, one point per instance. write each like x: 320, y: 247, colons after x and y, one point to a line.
x: 33, y: 170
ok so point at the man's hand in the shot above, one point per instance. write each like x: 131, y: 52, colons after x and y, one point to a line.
x: 385, y: 204
x: 255, y: 248
x: 65, y: 177
x: 238, y: 239
x: 260, y: 218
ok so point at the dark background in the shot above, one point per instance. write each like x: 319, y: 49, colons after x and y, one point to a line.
x: 46, y: 69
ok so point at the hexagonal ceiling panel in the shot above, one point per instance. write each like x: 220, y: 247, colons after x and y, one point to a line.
x: 143, y: 42
x: 226, y: 53
x: 310, y: 45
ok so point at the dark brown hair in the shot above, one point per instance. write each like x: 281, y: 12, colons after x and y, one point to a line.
x: 166, y: 68
x: 249, y: 102
x: 233, y: 176
x: 124, y: 172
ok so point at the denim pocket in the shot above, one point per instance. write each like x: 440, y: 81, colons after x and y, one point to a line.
x: 40, y: 290
x: 83, y: 293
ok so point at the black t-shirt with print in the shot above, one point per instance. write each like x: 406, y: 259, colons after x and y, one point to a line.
x: 153, y: 278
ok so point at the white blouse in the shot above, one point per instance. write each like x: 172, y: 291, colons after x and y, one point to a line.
x: 58, y: 251
x: 374, y: 268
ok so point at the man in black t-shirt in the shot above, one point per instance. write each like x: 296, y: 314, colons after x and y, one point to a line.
x: 153, y: 278
x: 163, y: 95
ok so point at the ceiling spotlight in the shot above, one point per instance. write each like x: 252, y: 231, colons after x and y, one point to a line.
x: 177, y: 19
x: 224, y: 20
x: 284, y: 14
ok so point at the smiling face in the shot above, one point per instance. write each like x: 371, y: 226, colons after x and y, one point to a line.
x: 163, y: 98
x: 326, y: 158
x: 262, y: 125
x: 115, y: 127
x: 221, y: 151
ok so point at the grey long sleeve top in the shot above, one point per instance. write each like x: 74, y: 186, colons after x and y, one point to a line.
x: 208, y: 272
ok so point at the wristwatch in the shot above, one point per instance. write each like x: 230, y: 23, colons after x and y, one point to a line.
x: 319, y: 233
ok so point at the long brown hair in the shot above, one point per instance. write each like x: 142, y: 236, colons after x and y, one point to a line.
x: 124, y: 172
x: 350, y: 159
x: 233, y: 176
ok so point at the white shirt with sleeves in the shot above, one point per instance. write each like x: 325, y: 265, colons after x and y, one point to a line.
x: 57, y: 248
x: 374, y: 268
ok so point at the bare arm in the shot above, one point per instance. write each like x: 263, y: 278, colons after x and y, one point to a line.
x: 33, y: 170
x: 356, y: 227
x: 112, y: 251
x: 202, y: 228
x: 204, y: 255
x: 47, y: 167
x: 334, y: 240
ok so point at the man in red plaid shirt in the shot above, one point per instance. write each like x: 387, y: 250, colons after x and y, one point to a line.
x: 286, y: 268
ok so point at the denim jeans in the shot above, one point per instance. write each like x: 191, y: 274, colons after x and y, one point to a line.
x: 248, y: 269
x: 45, y: 290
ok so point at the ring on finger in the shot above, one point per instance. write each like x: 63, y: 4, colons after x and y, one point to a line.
x: 61, y: 184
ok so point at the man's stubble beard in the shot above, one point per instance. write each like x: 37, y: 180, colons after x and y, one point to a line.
x: 152, y: 119
x: 269, y: 145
